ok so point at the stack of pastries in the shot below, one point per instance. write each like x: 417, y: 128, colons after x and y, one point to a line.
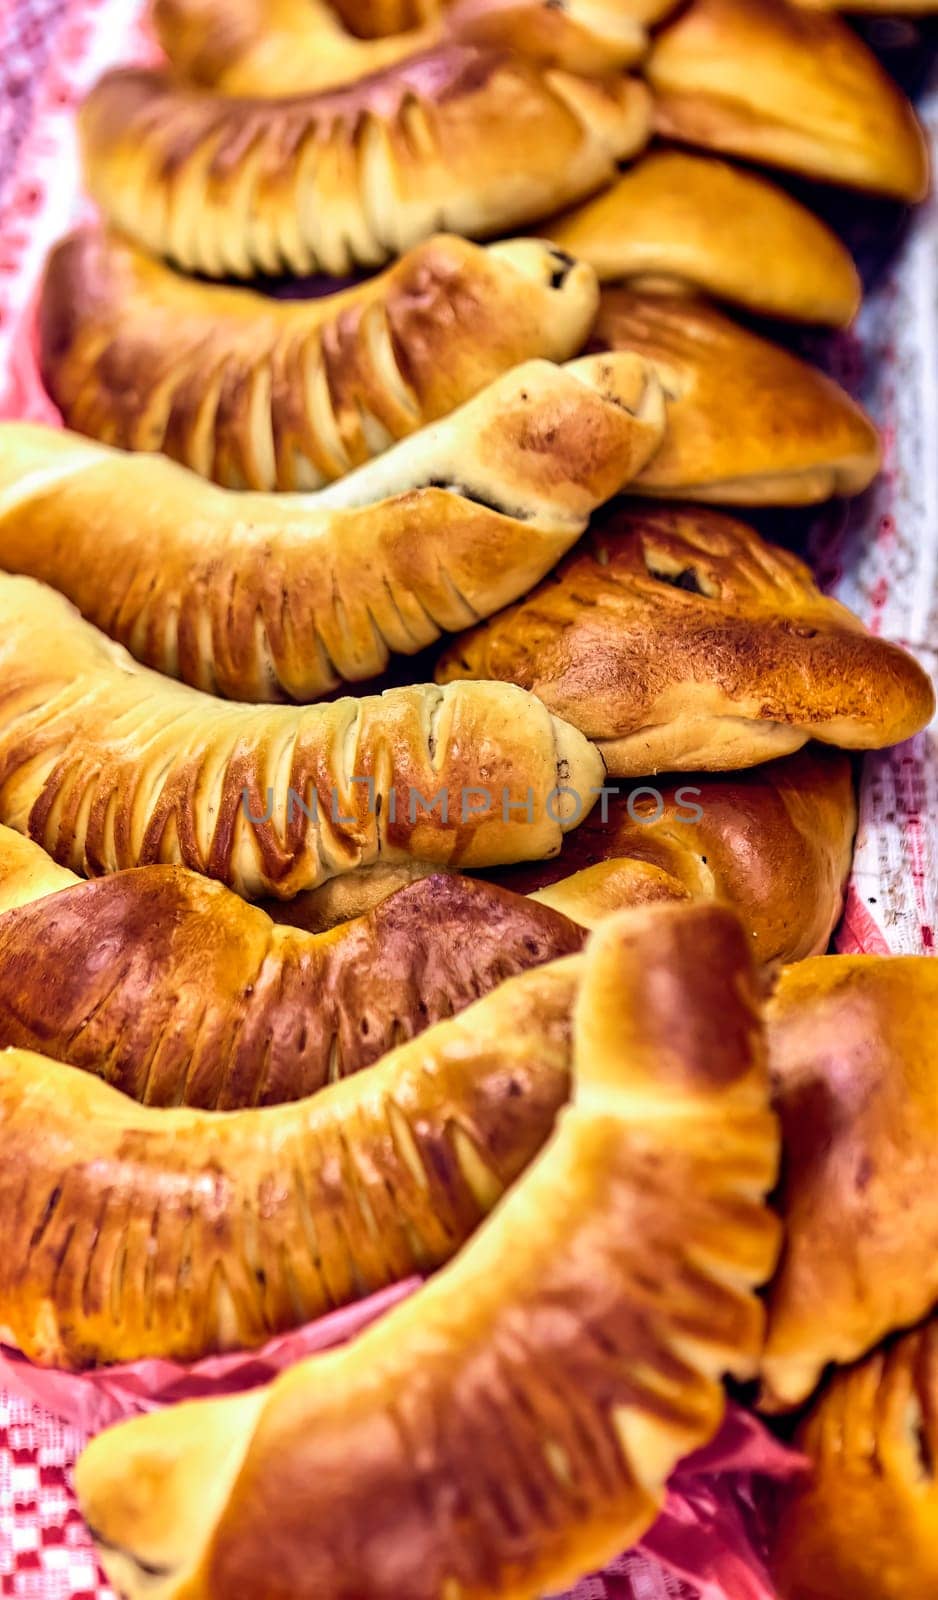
x: 505, y: 966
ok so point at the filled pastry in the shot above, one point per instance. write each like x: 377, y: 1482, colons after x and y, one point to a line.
x: 770, y: 82
x: 678, y: 640
x: 748, y: 422
x: 854, y: 1060
x: 864, y: 1525
x: 462, y: 140
x: 512, y: 1425
x: 177, y: 992
x: 108, y: 765
x: 682, y: 221
x: 137, y: 1230
x: 274, y: 597
x: 261, y: 393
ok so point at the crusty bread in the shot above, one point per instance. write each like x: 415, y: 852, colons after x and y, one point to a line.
x: 854, y: 1056
x: 770, y: 82
x: 270, y: 597
x: 775, y: 843
x: 511, y: 1426
x: 748, y: 422
x: 471, y: 141
x: 864, y: 1526
x: 683, y: 221
x: 109, y: 765
x: 27, y: 873
x: 177, y: 992
x: 154, y: 1231
x: 679, y: 640
x: 286, y: 47
x: 259, y: 393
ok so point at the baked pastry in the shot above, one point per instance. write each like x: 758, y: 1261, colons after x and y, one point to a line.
x: 775, y: 843
x: 510, y: 1426
x: 748, y: 422
x: 286, y: 47
x: 855, y: 1065
x: 135, y: 1231
x: 259, y: 393
x: 770, y: 82
x: 865, y: 1526
x: 27, y: 874
x: 269, y: 597
x: 680, y: 221
x: 108, y: 765
x: 177, y: 992
x: 905, y: 8
x: 679, y: 640
x: 588, y: 36
x: 469, y: 141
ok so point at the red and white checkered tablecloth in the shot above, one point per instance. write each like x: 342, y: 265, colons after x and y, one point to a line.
x: 883, y: 562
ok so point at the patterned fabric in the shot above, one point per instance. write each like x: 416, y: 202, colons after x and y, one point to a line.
x: 882, y: 560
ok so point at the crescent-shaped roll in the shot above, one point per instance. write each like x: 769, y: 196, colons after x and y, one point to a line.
x: 108, y: 765
x: 260, y: 393
x: 679, y: 640
x: 512, y: 1425
x: 133, y: 1231
x: 865, y: 1525
x: 287, y: 47
x: 748, y: 422
x: 463, y: 140
x: 770, y: 82
x: 691, y: 222
x: 177, y: 992
x: 775, y: 843
x: 854, y: 1056
x: 273, y: 597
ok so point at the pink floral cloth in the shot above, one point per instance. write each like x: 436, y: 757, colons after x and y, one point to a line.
x: 882, y: 560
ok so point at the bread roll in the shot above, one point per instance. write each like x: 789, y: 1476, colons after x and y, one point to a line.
x: 855, y: 1063
x: 748, y: 422
x: 108, y: 765
x: 767, y: 81
x: 27, y: 874
x: 463, y: 140
x: 286, y: 47
x: 177, y: 992
x: 270, y: 597
x: 679, y: 640
x: 775, y: 843
x: 260, y: 393
x: 135, y: 1231
x: 865, y: 1525
x: 512, y: 1425
x: 686, y: 222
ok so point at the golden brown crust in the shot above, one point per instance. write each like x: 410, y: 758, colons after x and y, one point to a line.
x: 693, y: 222
x: 677, y: 639
x: 588, y: 36
x: 775, y: 843
x: 865, y: 1526
x: 269, y: 597
x: 285, y: 47
x: 748, y: 422
x: 854, y: 1056
x: 27, y: 873
x: 177, y: 992
x: 108, y: 765
x: 566, y: 1360
x: 261, y: 393
x: 135, y: 1231
x: 460, y: 140
x: 770, y: 82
